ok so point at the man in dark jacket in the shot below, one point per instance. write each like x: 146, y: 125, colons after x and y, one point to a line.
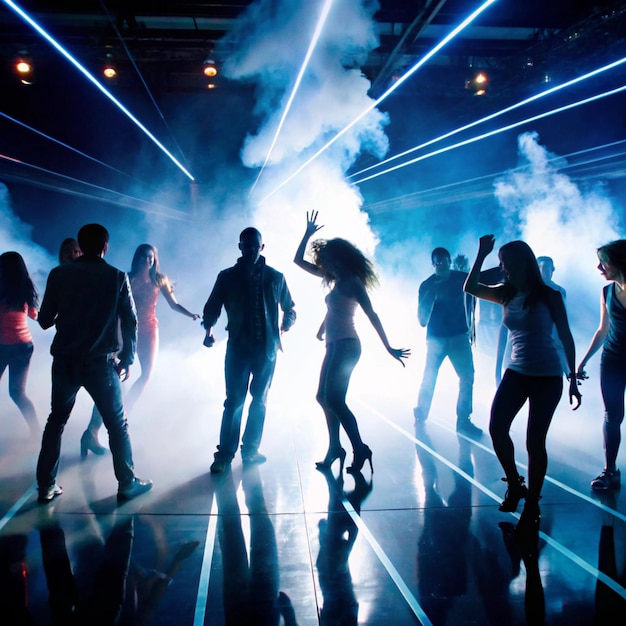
x: 86, y: 299
x: 251, y: 293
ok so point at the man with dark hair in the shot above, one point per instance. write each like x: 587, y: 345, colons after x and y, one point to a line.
x: 86, y: 299
x: 251, y: 293
x: 445, y: 310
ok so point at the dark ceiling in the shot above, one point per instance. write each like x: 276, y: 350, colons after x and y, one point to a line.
x: 159, y: 47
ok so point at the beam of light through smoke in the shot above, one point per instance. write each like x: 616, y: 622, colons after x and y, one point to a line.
x: 64, y: 145
x: 97, y: 192
x: 492, y: 116
x: 491, y: 133
x: 316, y: 35
x: 466, y: 22
x: 55, y: 44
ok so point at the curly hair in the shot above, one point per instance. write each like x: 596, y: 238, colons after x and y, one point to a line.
x: 157, y: 278
x: 338, y: 258
x: 16, y: 285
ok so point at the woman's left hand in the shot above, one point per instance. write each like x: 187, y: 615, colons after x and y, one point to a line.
x: 574, y: 393
x: 399, y: 354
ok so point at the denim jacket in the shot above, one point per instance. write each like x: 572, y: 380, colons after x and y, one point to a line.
x: 85, y: 299
x: 230, y: 292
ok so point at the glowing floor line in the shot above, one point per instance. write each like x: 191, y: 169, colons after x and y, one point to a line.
x: 19, y: 503
x: 387, y: 564
x: 594, y: 571
x: 205, y: 570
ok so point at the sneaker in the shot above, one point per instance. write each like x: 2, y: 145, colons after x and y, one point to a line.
x: 49, y: 494
x: 219, y: 466
x: 136, y: 488
x: 607, y: 480
x: 466, y: 427
x: 256, y: 458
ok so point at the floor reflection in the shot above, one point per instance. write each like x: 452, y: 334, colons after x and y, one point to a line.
x: 250, y: 579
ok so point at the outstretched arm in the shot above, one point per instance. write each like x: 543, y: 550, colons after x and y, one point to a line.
x: 166, y: 290
x: 363, y: 299
x: 311, y: 228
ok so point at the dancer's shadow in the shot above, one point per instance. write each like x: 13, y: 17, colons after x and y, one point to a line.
x: 442, y: 559
x: 610, y: 609
x: 251, y: 581
x: 337, y: 534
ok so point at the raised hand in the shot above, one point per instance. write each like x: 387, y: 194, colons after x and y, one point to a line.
x: 486, y: 244
x: 311, y: 223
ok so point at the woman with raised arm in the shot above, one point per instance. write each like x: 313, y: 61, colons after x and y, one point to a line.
x: 147, y: 283
x: 534, y: 373
x: 611, y: 336
x: 349, y: 274
x: 18, y: 302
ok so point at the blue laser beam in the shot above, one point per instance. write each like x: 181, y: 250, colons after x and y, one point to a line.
x: 492, y: 116
x: 55, y: 44
x: 316, y: 35
x: 466, y: 22
x: 491, y: 133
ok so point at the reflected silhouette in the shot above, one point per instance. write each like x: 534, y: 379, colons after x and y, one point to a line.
x: 13, y: 581
x: 95, y: 595
x: 251, y: 586
x: 337, y: 534
x: 442, y: 559
x: 610, y: 607
x: 525, y: 547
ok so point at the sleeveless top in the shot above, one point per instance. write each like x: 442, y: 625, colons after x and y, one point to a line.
x: 533, y: 351
x: 13, y: 325
x: 339, y: 316
x: 615, y: 342
x: 145, y: 295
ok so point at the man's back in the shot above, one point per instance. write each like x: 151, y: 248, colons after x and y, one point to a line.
x: 85, y: 299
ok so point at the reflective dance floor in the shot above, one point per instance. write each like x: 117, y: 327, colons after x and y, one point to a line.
x: 419, y: 541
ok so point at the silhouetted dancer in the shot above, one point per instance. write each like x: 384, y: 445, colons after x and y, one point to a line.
x: 342, y: 266
x: 446, y: 313
x: 85, y: 300
x: 251, y: 293
x: 531, y: 310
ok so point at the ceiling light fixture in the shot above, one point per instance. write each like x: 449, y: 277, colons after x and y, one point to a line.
x: 24, y: 68
x: 209, y: 68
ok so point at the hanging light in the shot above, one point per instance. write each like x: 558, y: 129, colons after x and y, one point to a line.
x: 478, y: 83
x: 109, y: 71
x: 24, y: 68
x: 209, y: 68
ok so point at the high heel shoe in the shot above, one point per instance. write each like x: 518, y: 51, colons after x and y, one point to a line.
x: 89, y: 441
x: 358, y: 461
x: 331, y: 456
x: 515, y: 492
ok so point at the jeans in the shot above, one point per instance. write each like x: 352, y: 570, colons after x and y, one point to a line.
x: 99, y: 378
x: 17, y: 358
x: 243, y: 369
x: 459, y: 351
x: 613, y: 386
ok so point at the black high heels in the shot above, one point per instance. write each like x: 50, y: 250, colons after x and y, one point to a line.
x: 515, y: 492
x: 89, y: 441
x: 358, y: 461
x: 331, y: 456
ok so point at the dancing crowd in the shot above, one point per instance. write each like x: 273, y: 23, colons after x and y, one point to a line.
x: 104, y: 316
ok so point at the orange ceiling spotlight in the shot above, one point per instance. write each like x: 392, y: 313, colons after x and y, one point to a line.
x: 478, y: 84
x: 209, y: 68
x: 109, y: 71
x: 24, y: 68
